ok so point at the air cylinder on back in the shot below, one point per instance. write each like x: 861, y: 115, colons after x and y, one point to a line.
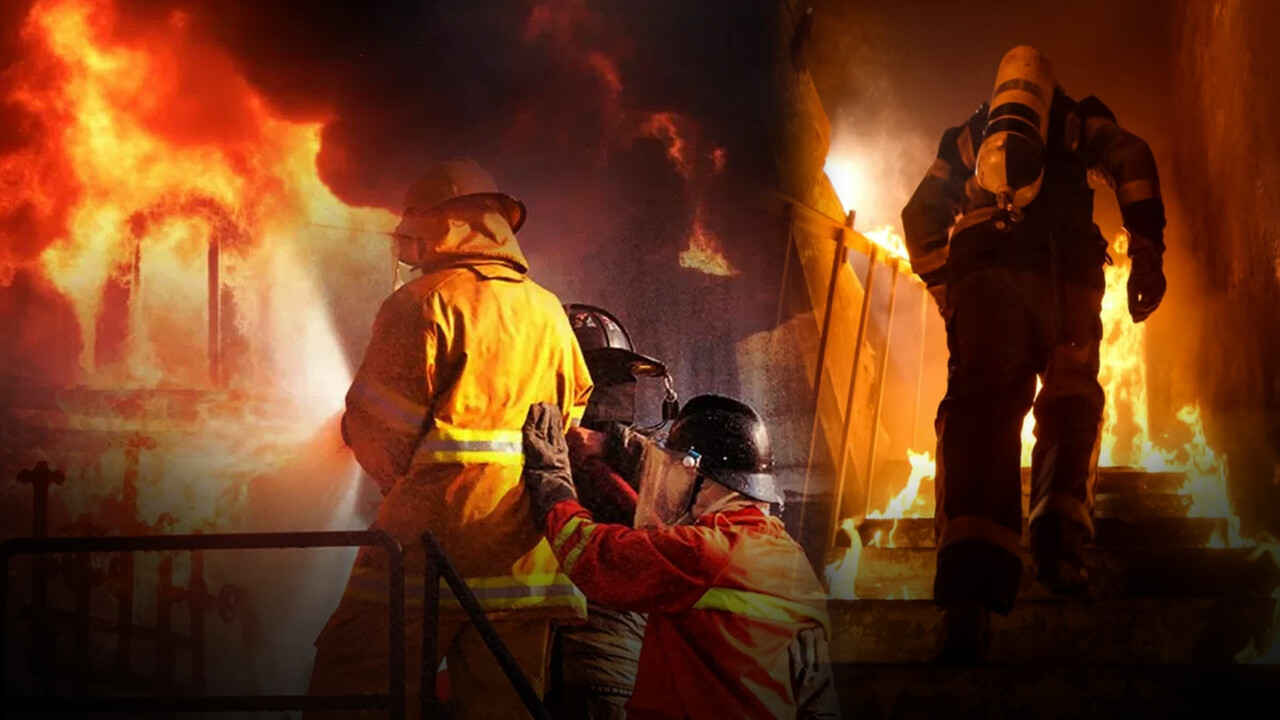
x: 1010, y: 161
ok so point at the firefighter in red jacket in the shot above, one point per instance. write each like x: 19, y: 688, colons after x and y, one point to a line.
x: 733, y: 604
x: 1019, y: 280
x: 593, y: 665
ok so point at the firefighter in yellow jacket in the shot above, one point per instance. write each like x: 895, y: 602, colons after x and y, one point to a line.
x: 434, y: 417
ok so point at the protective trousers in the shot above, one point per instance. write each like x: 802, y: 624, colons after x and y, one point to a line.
x: 597, y: 663
x: 1008, y: 326
x: 352, y: 658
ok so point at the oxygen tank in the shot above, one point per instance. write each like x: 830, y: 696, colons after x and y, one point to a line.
x: 1010, y: 161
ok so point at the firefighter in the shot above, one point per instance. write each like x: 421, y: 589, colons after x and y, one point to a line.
x: 737, y: 619
x: 1018, y: 278
x: 594, y: 665
x: 434, y: 417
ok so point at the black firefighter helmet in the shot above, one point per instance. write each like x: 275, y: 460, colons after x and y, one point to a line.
x: 733, y: 443
x: 607, y: 348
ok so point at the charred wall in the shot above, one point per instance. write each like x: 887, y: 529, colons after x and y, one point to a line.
x: 1226, y: 108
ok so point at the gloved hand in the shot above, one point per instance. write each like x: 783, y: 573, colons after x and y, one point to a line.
x: 547, y: 477
x: 939, y: 293
x: 1146, y: 279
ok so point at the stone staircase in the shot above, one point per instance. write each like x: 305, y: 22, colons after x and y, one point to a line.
x: 1156, y: 635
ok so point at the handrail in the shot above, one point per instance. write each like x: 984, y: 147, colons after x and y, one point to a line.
x: 393, y: 701
x: 439, y: 565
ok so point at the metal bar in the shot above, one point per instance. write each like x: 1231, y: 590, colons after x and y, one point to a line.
x: 124, y: 628
x: 839, y: 259
x: 214, y: 308
x: 166, y: 653
x: 393, y: 701
x: 196, y: 598
x: 510, y: 667
x: 396, y: 695
x: 788, y: 241
x: 429, y: 698
x: 180, y: 704
x: 925, y: 298
x: 882, y: 380
x: 81, y: 661
x: 864, y: 318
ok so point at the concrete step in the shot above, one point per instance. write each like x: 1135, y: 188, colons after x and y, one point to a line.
x: 907, y: 573
x: 1125, y: 480
x: 1052, y: 692
x: 1060, y: 631
x: 1111, y: 531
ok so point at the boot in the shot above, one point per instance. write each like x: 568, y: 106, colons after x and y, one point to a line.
x: 1057, y: 548
x: 966, y: 634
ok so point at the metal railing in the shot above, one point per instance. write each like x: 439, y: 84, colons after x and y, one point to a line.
x: 438, y: 566
x: 799, y: 216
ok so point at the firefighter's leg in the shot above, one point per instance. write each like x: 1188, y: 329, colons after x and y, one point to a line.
x: 353, y: 656
x: 989, y: 390
x: 1068, y: 415
x: 478, y: 687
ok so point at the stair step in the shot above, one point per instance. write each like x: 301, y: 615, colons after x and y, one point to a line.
x: 902, y: 573
x: 1060, y: 631
x: 1111, y: 531
x: 1007, y: 692
x: 1124, y: 480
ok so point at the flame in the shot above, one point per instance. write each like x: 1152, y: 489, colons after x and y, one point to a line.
x: 704, y: 253
x: 842, y: 573
x: 907, y: 502
x: 663, y: 126
x: 151, y: 171
x: 889, y: 240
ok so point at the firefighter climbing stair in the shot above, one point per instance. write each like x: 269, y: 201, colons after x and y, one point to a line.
x: 1160, y: 599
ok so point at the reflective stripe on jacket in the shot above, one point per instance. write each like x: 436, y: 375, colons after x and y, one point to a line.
x: 434, y: 415
x: 726, y: 599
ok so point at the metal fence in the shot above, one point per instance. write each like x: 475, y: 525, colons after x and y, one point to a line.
x: 438, y: 566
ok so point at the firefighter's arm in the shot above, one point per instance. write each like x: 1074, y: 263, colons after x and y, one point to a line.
x: 640, y: 570
x: 929, y: 215
x: 387, y: 404
x: 1126, y: 163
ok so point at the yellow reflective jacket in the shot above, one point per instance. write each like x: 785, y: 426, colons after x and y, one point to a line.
x: 435, y: 412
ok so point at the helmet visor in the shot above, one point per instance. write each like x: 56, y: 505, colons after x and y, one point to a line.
x: 668, y: 481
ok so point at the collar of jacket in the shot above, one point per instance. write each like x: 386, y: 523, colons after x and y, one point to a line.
x: 464, y: 247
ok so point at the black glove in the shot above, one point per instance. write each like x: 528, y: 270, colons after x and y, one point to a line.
x: 1146, y: 279
x: 547, y: 477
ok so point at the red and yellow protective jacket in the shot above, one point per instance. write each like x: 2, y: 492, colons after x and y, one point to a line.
x: 726, y: 598
x: 434, y: 416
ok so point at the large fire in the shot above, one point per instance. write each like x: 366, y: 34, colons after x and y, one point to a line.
x: 152, y: 159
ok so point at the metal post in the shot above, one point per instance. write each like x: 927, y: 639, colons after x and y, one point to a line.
x: 925, y: 297
x: 484, y: 626
x: 196, y: 598
x: 429, y: 697
x: 40, y: 478
x: 165, y: 652
x: 397, y: 700
x: 882, y: 374
x: 788, y: 241
x: 864, y: 317
x: 838, y: 260
x: 214, y: 310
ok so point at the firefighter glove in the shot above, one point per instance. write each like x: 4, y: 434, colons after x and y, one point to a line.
x: 547, y: 477
x: 1146, y: 279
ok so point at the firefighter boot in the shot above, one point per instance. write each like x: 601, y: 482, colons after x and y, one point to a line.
x: 1056, y: 547
x: 966, y: 634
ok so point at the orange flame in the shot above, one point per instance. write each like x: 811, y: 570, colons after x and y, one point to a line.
x: 704, y: 253
x: 151, y: 170
x: 663, y: 126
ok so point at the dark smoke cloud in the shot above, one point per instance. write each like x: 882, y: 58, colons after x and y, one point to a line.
x: 549, y: 96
